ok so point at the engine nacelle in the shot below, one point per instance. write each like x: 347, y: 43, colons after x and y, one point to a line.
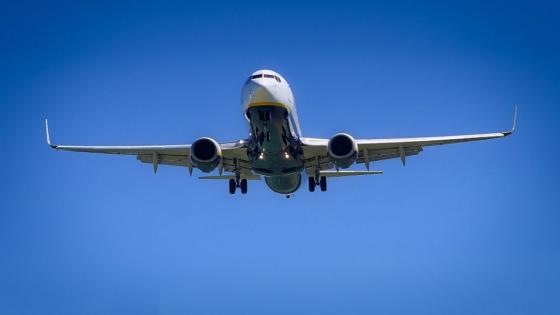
x: 343, y: 150
x: 205, y: 154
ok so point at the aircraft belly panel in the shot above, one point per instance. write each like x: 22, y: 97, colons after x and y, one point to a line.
x: 273, y: 149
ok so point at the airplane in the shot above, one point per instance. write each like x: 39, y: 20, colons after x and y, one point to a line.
x: 275, y: 148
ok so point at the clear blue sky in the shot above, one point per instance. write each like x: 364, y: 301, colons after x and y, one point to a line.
x: 462, y: 229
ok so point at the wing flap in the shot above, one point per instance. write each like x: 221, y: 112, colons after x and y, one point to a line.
x: 176, y: 160
x: 377, y: 144
x: 348, y: 173
x: 389, y: 153
x: 180, y: 149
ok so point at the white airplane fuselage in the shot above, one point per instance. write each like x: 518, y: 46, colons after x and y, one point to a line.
x: 274, y: 147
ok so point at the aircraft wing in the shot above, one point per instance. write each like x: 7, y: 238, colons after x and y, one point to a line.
x: 175, y: 154
x: 315, y: 150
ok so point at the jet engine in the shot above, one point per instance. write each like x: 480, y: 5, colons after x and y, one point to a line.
x: 205, y: 154
x: 343, y: 150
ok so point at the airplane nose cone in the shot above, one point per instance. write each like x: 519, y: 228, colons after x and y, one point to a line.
x: 261, y: 92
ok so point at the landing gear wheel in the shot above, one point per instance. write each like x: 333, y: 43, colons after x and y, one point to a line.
x: 243, y: 186
x: 232, y: 186
x: 323, y: 183
x: 312, y: 184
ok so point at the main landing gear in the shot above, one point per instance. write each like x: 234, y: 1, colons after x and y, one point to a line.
x: 241, y: 183
x: 321, y: 181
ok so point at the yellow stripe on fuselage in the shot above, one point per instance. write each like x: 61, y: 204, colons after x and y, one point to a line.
x: 277, y: 104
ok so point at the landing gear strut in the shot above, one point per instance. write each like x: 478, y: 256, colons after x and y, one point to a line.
x: 241, y: 183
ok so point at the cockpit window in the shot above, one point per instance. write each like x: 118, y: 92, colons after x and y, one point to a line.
x: 269, y: 76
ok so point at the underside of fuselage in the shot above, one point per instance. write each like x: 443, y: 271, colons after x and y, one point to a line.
x: 274, y: 149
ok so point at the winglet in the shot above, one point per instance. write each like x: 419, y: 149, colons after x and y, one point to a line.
x: 507, y: 133
x: 48, y: 134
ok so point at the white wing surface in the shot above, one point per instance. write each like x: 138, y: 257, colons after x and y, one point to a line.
x: 234, y: 154
x: 315, y: 150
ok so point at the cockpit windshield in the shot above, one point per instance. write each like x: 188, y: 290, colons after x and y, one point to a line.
x: 268, y: 76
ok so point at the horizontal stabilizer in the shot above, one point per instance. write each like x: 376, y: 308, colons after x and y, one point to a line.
x: 348, y: 173
x: 227, y: 177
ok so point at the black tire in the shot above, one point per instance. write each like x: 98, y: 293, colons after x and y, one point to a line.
x: 232, y: 186
x: 323, y: 183
x: 312, y: 184
x: 243, y: 186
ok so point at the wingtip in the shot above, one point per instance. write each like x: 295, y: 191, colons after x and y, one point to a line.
x: 48, y: 134
x: 509, y: 132
x: 514, y: 119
